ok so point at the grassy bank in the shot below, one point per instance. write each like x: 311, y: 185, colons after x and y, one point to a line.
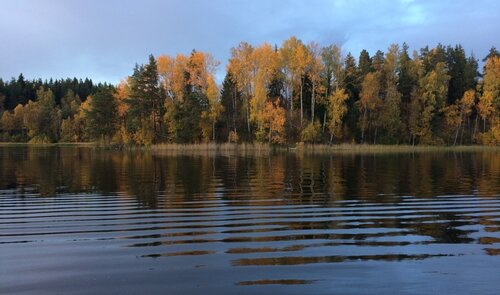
x: 243, y: 148
x: 367, y: 148
x: 56, y: 144
x: 312, y: 149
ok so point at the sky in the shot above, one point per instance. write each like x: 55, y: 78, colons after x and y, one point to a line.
x: 103, y: 39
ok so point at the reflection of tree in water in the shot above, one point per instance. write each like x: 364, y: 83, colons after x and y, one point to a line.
x: 445, y: 232
x: 298, y: 209
x: 232, y: 172
x: 292, y: 177
x: 143, y: 178
x: 47, y: 173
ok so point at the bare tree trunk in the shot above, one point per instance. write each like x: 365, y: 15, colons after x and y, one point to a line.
x: 475, y: 128
x: 456, y: 134
x: 462, y: 134
x: 248, y: 115
x: 234, y: 110
x: 363, y: 127
x: 324, y: 122
x: 324, y: 115
x: 301, y: 106
x: 313, y: 102
x: 213, y: 131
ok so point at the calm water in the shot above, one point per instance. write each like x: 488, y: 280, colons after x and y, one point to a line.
x: 76, y: 220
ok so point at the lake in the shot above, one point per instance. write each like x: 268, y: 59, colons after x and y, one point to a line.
x: 85, y: 221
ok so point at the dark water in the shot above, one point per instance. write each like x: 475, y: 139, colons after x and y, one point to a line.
x: 76, y: 220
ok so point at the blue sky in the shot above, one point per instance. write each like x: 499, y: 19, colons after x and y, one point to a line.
x: 103, y: 39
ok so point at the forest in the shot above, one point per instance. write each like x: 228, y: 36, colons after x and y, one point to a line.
x: 281, y: 95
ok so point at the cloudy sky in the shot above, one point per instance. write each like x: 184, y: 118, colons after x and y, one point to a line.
x: 103, y: 39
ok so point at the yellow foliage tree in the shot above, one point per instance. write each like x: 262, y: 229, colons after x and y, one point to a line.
x: 336, y: 110
x: 465, y: 106
x: 369, y: 100
x: 242, y: 66
x: 489, y: 102
x: 452, y: 121
x: 432, y: 98
x: 265, y: 64
x: 315, y: 71
x: 302, y: 59
x: 212, y: 114
x: 275, y: 120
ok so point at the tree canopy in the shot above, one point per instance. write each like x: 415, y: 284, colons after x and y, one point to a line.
x: 278, y: 94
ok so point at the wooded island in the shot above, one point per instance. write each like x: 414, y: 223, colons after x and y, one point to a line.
x: 279, y: 95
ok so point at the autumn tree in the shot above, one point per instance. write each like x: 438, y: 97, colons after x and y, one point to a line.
x: 275, y: 122
x: 174, y: 77
x: 491, y: 81
x: 325, y: 74
x: 333, y: 74
x: 432, y: 99
x: 265, y: 65
x: 287, y: 63
x: 486, y: 107
x: 301, y: 60
x: 42, y: 118
x: 70, y: 103
x: 241, y: 65
x: 369, y: 101
x: 414, y: 110
x: 211, y: 115
x: 337, y: 108
x: 12, y: 123
x: 189, y: 112
x: 452, y: 122
x: 466, y: 106
x: 314, y: 71
x: 489, y: 103
x: 390, y: 114
x: 121, y: 96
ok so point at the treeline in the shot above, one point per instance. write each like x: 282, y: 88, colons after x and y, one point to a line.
x: 280, y: 95
x: 19, y: 91
x: 34, y: 109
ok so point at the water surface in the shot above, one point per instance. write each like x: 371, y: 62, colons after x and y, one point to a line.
x: 84, y: 221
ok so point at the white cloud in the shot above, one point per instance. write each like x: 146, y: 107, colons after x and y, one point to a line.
x: 104, y: 39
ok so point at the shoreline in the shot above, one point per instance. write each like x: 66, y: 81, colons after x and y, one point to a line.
x: 300, y: 148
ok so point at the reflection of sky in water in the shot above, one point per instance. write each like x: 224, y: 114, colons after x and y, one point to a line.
x: 283, y: 223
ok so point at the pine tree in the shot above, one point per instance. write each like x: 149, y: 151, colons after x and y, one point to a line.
x: 364, y: 64
x: 102, y: 115
x: 146, y: 103
x: 352, y: 87
x: 232, y: 103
